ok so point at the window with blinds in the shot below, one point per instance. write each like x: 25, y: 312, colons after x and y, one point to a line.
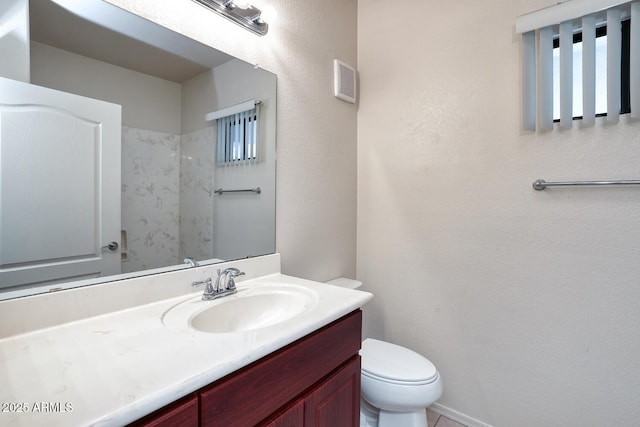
x: 580, y: 58
x: 237, y: 138
x: 600, y: 74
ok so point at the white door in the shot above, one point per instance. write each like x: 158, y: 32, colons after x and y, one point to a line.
x: 59, y: 186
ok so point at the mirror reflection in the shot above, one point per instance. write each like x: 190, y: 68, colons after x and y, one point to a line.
x: 66, y: 226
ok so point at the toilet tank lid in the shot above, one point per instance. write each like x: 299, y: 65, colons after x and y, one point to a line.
x: 345, y: 283
x: 394, y: 362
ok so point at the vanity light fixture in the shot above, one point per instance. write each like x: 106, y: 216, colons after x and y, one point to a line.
x: 243, y: 14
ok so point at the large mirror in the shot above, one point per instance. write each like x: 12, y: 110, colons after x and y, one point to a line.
x: 173, y: 198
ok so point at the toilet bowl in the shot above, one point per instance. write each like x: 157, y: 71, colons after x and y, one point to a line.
x: 397, y: 384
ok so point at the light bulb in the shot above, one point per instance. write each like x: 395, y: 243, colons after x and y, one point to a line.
x: 269, y: 14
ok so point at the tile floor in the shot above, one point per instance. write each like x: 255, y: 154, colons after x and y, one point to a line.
x: 436, y: 420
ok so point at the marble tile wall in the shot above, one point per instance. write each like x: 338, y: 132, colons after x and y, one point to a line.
x: 150, y: 198
x: 167, y: 197
x: 197, y: 165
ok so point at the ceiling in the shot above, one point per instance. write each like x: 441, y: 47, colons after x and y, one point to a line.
x: 55, y: 26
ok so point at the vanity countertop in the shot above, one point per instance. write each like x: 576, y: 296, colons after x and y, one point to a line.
x: 117, y: 367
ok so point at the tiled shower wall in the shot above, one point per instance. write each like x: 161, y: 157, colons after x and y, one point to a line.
x: 179, y: 181
x: 197, y: 162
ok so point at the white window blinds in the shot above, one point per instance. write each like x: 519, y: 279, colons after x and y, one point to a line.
x: 237, y: 137
x: 563, y: 21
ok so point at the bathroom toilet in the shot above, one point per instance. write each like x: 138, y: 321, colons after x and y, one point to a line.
x: 397, y: 384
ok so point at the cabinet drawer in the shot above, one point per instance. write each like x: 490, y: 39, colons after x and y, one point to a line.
x: 250, y: 395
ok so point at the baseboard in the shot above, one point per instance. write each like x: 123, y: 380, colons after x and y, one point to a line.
x: 457, y: 416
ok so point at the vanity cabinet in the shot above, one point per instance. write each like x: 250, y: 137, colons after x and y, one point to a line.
x: 183, y: 413
x: 335, y: 402
x: 291, y: 416
x: 314, y: 381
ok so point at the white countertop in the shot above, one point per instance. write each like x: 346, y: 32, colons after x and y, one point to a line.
x: 117, y: 367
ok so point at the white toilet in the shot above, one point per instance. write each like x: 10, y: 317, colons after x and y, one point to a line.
x: 397, y: 384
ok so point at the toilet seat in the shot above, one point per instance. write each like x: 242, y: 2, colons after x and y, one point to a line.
x: 402, y: 383
x: 386, y: 362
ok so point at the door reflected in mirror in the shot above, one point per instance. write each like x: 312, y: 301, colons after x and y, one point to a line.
x: 166, y: 208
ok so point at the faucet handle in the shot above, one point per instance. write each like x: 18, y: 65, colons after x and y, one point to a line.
x: 207, y: 281
x: 230, y: 273
x: 233, y: 272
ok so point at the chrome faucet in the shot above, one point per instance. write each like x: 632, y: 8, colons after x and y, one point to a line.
x: 224, y: 284
x: 191, y: 261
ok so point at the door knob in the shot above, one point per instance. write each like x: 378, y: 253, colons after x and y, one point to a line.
x: 112, y: 246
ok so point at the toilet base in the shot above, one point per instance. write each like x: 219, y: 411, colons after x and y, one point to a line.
x: 370, y: 416
x: 405, y: 419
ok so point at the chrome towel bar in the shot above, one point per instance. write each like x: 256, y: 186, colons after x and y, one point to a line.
x: 256, y: 190
x: 541, y: 184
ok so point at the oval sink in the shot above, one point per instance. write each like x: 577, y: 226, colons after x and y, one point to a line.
x: 252, y: 308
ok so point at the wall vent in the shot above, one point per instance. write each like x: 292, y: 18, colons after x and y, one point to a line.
x: 344, y: 81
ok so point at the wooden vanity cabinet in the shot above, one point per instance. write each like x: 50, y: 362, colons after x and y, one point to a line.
x: 314, y: 381
x: 335, y: 402
x: 291, y: 416
x: 183, y: 413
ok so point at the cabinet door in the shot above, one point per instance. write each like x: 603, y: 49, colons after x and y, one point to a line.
x: 291, y: 417
x: 183, y: 413
x: 336, y: 402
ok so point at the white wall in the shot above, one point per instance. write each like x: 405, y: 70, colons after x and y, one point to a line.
x: 247, y: 219
x: 14, y: 39
x: 527, y: 302
x: 147, y: 102
x: 316, y: 135
x: 239, y: 220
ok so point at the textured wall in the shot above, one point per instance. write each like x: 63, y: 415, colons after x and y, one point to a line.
x: 316, y: 135
x: 527, y: 302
